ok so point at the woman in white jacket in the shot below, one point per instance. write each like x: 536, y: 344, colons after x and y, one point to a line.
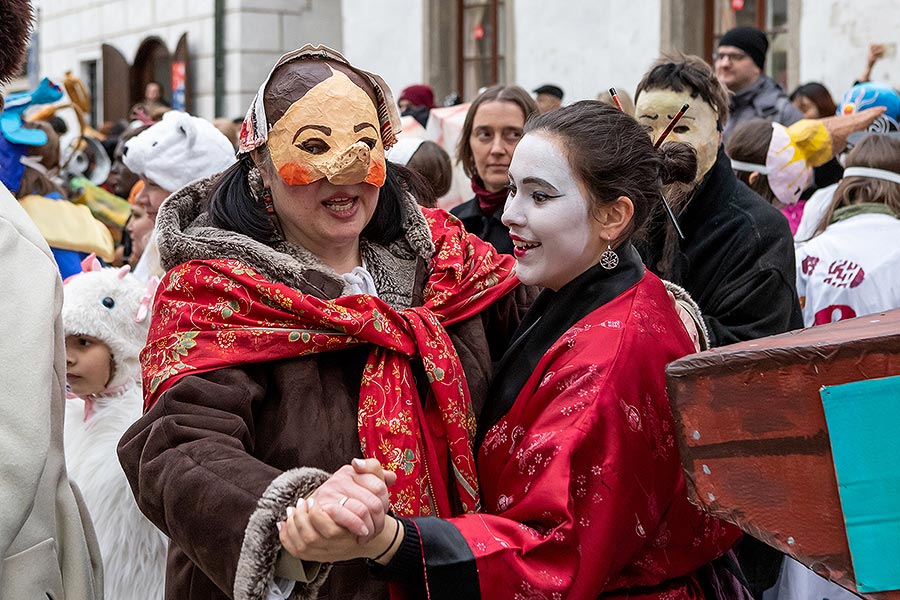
x: 849, y: 267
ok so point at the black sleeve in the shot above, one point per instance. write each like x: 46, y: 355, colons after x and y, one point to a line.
x: 758, y: 305
x: 433, y: 551
x: 406, y: 565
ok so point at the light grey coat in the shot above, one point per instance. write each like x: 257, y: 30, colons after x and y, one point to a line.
x: 47, y: 541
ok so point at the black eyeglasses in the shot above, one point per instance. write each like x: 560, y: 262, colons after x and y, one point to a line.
x: 732, y: 56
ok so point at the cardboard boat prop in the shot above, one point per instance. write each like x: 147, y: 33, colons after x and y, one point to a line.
x: 795, y: 438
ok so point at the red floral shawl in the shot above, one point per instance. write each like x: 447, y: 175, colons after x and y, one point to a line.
x: 212, y: 314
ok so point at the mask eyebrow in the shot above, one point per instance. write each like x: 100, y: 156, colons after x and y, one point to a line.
x: 362, y: 126
x: 322, y: 128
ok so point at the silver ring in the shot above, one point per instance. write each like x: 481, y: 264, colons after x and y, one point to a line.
x: 343, y: 500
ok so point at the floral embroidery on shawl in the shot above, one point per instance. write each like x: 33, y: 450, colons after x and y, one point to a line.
x: 214, y: 314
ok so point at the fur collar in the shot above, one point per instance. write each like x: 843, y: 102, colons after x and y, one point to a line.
x: 185, y: 233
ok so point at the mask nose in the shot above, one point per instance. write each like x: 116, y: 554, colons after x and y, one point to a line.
x: 350, y: 167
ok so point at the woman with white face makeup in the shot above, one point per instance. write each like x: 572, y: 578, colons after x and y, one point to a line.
x: 312, y: 314
x: 582, y: 489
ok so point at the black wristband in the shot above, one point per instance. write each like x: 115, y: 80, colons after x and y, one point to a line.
x: 391, y: 545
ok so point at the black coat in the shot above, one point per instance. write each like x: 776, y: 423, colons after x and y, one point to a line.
x: 737, y: 259
x: 488, y: 228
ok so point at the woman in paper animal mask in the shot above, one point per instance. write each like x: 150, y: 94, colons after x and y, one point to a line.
x: 312, y: 313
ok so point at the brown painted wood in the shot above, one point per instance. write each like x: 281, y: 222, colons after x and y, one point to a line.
x: 753, y: 436
x: 116, y: 90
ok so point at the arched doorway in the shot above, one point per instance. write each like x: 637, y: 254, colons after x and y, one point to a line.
x: 153, y: 62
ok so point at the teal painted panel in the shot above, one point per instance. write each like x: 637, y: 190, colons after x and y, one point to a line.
x: 864, y: 426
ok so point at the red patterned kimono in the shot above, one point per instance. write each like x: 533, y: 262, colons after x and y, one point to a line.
x: 582, y: 487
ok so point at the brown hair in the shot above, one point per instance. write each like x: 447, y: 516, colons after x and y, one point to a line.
x: 498, y: 93
x: 817, y: 94
x: 612, y: 156
x: 433, y: 163
x: 750, y: 143
x: 876, y: 151
x: 687, y: 72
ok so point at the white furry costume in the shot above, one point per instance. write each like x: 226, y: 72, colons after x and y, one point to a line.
x: 105, y: 304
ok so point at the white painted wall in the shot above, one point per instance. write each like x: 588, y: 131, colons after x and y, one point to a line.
x: 386, y: 37
x: 257, y: 32
x: 835, y: 37
x: 585, y: 46
x: 72, y: 31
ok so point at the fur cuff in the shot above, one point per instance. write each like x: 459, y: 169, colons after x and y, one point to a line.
x: 684, y: 300
x: 259, y: 552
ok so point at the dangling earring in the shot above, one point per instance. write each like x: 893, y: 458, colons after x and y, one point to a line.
x: 267, y: 201
x: 270, y: 210
x: 609, y: 260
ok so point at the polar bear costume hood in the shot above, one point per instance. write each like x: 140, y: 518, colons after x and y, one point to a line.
x: 178, y: 150
x: 111, y: 305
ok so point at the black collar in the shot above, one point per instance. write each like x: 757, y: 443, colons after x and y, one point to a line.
x: 551, y: 315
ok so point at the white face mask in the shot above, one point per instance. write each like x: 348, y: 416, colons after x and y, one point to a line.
x: 556, y: 238
x: 655, y: 108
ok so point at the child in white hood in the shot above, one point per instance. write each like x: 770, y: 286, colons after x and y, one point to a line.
x: 105, y: 319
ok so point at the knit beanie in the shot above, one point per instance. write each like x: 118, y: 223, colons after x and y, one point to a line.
x: 178, y: 150
x: 750, y: 40
x: 111, y: 305
x: 418, y: 95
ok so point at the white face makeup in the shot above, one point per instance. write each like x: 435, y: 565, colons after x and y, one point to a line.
x: 556, y: 238
x: 654, y: 110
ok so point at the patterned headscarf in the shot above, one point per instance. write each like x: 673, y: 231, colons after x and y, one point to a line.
x: 255, y: 129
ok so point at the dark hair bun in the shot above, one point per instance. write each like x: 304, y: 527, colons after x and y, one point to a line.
x: 678, y: 162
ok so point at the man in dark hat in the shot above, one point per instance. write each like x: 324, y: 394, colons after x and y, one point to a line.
x: 549, y: 97
x: 740, y: 63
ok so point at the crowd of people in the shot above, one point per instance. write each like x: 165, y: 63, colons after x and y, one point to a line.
x: 286, y: 374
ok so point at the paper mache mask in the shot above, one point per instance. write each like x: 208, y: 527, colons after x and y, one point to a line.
x: 795, y: 150
x: 335, y: 130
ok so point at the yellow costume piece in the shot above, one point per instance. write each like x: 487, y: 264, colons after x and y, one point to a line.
x: 811, y: 141
x: 69, y: 226
x: 106, y: 207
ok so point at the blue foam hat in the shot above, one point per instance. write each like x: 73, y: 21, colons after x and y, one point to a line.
x: 11, y: 121
x: 868, y: 95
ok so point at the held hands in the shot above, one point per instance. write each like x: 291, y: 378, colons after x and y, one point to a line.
x: 344, y: 518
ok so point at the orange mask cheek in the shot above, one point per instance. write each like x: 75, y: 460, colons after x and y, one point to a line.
x: 376, y: 174
x: 294, y: 174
